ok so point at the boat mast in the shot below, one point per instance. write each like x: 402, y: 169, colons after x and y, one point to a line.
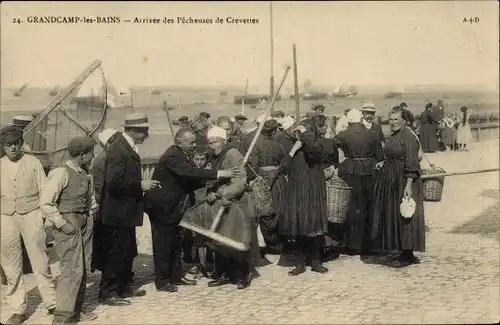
x: 271, y: 89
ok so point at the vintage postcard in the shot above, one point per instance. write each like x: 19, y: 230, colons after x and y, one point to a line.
x: 265, y: 162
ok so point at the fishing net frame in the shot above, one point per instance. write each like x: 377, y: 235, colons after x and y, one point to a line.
x: 56, y: 103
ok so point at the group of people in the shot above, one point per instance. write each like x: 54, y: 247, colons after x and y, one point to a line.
x: 95, y: 204
x: 451, y: 129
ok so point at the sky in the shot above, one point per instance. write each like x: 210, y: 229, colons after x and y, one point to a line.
x: 362, y: 43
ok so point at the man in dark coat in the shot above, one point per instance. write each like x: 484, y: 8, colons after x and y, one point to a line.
x: 121, y: 210
x: 165, y: 206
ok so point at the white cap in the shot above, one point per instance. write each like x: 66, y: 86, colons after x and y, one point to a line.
x: 217, y: 132
x: 105, y: 135
x: 136, y: 120
x: 368, y: 107
x: 261, y: 119
x: 287, y: 122
x: 354, y: 116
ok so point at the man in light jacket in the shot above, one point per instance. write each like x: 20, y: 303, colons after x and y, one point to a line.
x: 22, y: 178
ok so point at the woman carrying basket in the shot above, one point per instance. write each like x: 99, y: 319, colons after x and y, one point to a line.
x: 266, y: 157
x: 363, y: 149
x: 398, y: 179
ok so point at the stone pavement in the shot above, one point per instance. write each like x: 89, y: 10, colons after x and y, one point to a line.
x: 457, y: 282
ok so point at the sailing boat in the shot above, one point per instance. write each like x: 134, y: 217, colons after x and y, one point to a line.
x: 54, y: 91
x: 18, y: 92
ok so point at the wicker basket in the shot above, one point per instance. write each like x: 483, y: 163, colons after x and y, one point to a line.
x: 433, y: 187
x: 338, y: 195
x: 262, y: 197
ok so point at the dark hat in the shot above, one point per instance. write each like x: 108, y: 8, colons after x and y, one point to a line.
x: 183, y: 119
x: 80, y: 145
x: 22, y: 120
x: 240, y: 117
x: 10, y: 134
x: 429, y: 105
x: 403, y: 105
x: 278, y: 114
x: 317, y: 107
x: 463, y: 109
x: 270, y: 126
x: 205, y: 114
x: 311, y: 114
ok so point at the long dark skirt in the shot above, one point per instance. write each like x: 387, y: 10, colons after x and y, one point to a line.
x: 428, y: 137
x: 358, y: 216
x: 306, y: 209
x: 390, y: 230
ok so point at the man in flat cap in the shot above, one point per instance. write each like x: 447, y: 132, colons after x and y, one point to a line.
x: 205, y: 115
x: 319, y: 108
x: 238, y: 125
x: 184, y: 121
x: 68, y: 202
x: 368, y: 110
x: 121, y: 210
x: 22, y: 180
x: 240, y: 119
x: 21, y: 121
x: 277, y: 114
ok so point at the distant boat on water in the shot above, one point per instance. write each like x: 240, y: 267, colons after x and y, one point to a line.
x: 345, y: 92
x: 311, y: 96
x: 223, y: 93
x: 395, y: 94
x: 54, y: 91
x: 253, y: 99
x: 18, y: 92
x: 94, y: 95
x: 155, y: 92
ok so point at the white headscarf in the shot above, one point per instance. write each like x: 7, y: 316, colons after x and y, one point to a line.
x: 287, y: 122
x: 261, y: 119
x: 354, y: 116
x: 105, y: 135
x: 216, y: 131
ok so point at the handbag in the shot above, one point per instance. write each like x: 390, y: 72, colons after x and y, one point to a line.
x: 407, y: 207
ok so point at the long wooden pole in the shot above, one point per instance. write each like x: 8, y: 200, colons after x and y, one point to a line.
x: 61, y: 97
x: 268, y: 112
x: 214, y: 236
x: 478, y: 171
x: 243, y: 99
x: 296, y: 87
x: 167, y: 113
x: 271, y: 88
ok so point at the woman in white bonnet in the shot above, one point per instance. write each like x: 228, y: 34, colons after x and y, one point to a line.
x: 230, y: 266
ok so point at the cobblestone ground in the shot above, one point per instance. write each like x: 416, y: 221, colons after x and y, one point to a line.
x: 457, y: 281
